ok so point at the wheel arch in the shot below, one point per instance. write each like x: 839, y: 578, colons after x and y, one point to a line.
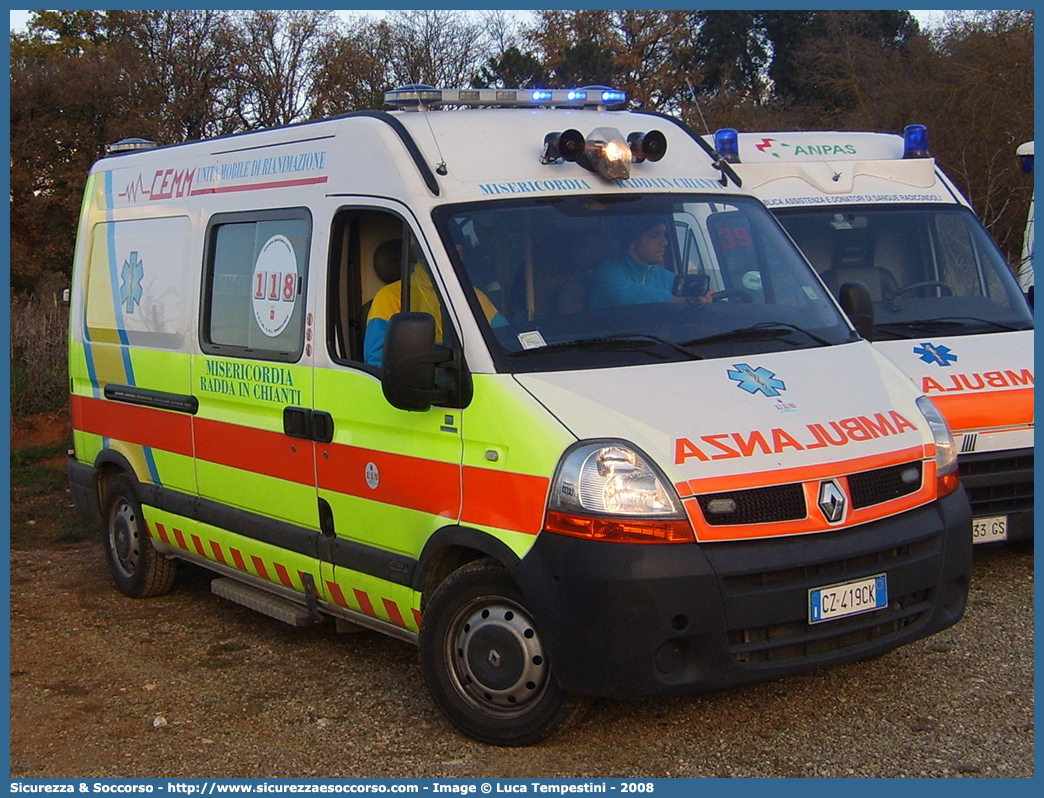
x: 453, y: 547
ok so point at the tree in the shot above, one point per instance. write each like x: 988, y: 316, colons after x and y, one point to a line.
x: 74, y: 89
x: 184, y: 54
x: 354, y: 68
x: 277, y: 53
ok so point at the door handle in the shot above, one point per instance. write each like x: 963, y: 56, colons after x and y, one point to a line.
x: 313, y: 425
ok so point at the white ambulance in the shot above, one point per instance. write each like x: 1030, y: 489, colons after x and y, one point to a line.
x: 1025, y: 273
x: 621, y: 441
x: 876, y: 209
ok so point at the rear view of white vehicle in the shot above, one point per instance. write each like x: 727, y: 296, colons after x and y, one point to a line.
x: 876, y: 209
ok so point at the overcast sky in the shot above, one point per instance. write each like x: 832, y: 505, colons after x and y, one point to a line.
x: 19, y: 19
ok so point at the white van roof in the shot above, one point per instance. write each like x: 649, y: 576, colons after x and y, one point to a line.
x: 819, y: 146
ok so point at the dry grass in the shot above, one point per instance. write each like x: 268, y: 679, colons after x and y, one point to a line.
x: 39, y: 346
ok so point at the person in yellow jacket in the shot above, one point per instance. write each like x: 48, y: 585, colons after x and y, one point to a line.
x: 423, y: 299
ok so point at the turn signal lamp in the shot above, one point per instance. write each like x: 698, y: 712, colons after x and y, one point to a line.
x: 945, y: 448
x: 609, y: 491
x: 726, y: 142
x: 915, y: 142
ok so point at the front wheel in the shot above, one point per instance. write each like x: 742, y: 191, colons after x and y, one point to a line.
x: 484, y: 663
x: 137, y: 569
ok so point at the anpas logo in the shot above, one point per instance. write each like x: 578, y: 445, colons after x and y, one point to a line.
x: 130, y: 281
x: 940, y: 355
x: 786, y: 149
x: 752, y: 380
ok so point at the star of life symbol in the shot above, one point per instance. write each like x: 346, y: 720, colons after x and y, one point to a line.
x: 130, y: 286
x: 930, y: 353
x: 757, y: 379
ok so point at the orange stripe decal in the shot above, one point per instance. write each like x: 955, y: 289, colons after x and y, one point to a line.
x: 504, y: 500
x: 977, y: 411
x: 783, y: 476
x: 430, y: 486
x: 237, y: 558
x: 145, y: 426
x: 259, y: 566
x: 199, y: 546
x: 254, y: 450
x: 162, y: 533
x: 417, y: 617
x: 284, y: 577
x: 219, y: 555
x: 336, y: 593
x: 393, y: 613
x: 364, y: 602
x: 180, y: 537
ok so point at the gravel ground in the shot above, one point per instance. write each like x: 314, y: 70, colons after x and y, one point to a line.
x: 190, y: 686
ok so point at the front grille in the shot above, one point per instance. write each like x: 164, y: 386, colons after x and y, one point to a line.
x: 755, y: 506
x: 796, y: 639
x: 793, y: 637
x: 998, y: 483
x: 884, y: 484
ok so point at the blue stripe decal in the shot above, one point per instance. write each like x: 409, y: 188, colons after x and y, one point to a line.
x: 110, y: 238
x: 117, y: 306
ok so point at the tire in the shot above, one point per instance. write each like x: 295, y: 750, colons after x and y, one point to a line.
x: 136, y: 568
x: 484, y: 663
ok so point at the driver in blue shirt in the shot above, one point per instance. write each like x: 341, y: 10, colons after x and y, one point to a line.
x: 638, y: 277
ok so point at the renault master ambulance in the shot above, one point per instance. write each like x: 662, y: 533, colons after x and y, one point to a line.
x: 554, y: 496
x: 875, y: 208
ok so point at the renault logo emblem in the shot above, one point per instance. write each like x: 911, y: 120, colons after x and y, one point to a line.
x: 832, y: 501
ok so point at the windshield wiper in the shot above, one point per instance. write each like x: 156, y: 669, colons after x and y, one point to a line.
x: 620, y: 341
x: 940, y: 324
x: 761, y: 331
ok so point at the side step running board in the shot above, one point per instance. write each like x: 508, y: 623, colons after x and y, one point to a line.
x: 265, y: 603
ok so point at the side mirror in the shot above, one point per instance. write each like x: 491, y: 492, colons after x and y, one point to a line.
x: 856, y: 302
x: 408, y: 365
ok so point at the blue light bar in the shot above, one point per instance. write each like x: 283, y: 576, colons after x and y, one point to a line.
x: 726, y: 142
x: 421, y: 97
x: 915, y: 142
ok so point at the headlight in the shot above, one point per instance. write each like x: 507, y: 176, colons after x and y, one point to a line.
x: 945, y: 448
x: 609, y: 491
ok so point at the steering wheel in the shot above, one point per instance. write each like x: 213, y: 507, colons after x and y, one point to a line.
x: 943, y: 287
x: 737, y: 294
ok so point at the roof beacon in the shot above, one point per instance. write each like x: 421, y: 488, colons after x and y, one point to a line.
x: 420, y: 97
x: 915, y: 142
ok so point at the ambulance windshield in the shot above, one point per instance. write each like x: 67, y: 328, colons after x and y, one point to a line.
x: 585, y: 282
x: 930, y: 269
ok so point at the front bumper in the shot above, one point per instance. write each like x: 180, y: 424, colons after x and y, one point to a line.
x: 626, y: 620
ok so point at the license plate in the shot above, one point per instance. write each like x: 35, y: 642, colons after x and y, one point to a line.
x: 990, y: 530
x: 848, y: 598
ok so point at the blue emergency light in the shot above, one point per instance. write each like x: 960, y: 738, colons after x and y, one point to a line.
x: 915, y: 142
x: 726, y: 142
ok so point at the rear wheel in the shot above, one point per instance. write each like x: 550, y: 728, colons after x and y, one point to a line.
x: 484, y: 662
x: 136, y: 568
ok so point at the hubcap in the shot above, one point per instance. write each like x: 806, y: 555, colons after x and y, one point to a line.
x: 124, y: 537
x: 497, y: 660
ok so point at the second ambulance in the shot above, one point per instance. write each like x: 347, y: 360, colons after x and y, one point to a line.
x: 875, y: 208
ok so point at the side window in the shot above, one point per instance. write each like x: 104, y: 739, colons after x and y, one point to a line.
x: 254, y: 285
x: 372, y: 254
